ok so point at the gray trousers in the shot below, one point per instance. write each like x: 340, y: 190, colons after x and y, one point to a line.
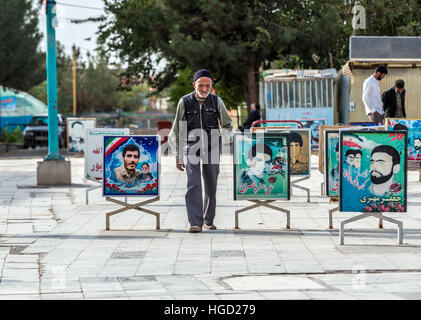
x: 201, y: 210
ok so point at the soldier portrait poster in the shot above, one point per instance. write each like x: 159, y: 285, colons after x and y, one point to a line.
x: 94, y: 149
x: 299, y: 151
x: 331, y: 172
x: 313, y: 125
x: 76, y: 133
x: 373, y: 170
x: 131, y: 166
x: 261, y: 166
x: 413, y: 126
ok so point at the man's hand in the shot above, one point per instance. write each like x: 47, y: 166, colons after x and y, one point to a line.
x: 180, y: 165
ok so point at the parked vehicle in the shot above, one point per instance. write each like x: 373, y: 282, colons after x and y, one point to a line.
x: 36, y: 132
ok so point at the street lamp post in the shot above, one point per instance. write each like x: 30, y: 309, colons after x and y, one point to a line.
x: 51, y: 23
x: 54, y: 170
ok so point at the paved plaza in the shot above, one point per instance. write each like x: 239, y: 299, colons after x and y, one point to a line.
x: 54, y: 246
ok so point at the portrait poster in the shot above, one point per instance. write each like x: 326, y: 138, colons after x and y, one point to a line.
x: 322, y: 128
x: 261, y: 166
x: 94, y: 150
x: 331, y: 172
x: 76, y: 133
x: 299, y: 151
x: 373, y: 171
x: 131, y: 166
x: 413, y: 126
x: 313, y: 125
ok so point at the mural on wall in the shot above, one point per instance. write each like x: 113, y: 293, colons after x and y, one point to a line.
x: 373, y: 171
x: 76, y: 133
x: 131, y: 166
x: 413, y: 127
x: 331, y: 172
x: 261, y: 166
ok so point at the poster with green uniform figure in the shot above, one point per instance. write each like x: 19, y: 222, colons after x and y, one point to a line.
x: 261, y: 166
x: 299, y: 151
x: 373, y: 171
x: 331, y: 171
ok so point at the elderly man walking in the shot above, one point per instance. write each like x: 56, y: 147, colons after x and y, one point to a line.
x: 195, y: 138
x: 371, y: 95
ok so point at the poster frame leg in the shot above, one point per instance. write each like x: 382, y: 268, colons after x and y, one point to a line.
x: 99, y: 182
x: 366, y: 215
x: 135, y: 206
x: 264, y: 203
x: 331, y: 211
x: 294, y: 184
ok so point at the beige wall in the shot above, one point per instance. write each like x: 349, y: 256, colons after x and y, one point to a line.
x: 412, y: 78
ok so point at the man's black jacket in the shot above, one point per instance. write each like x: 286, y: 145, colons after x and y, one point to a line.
x: 254, y: 115
x: 389, y: 102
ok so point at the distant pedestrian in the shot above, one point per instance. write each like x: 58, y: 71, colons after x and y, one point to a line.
x: 371, y: 95
x: 254, y: 115
x: 394, y: 101
x: 201, y: 113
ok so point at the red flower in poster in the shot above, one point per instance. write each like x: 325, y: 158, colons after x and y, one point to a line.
x: 396, y: 187
x: 272, y: 179
x: 368, y: 209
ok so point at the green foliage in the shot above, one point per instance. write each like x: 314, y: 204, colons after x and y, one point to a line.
x: 15, y: 136
x: 392, y: 18
x: 181, y: 86
x: 98, y: 87
x: 230, y: 38
x: 135, y: 98
x: 289, y: 62
x: 20, y: 59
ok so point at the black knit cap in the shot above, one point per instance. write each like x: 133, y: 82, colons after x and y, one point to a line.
x: 202, y: 73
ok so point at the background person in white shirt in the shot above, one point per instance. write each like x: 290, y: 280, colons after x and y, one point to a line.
x: 371, y: 95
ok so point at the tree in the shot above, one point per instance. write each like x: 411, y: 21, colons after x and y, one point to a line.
x: 231, y: 38
x: 21, y: 63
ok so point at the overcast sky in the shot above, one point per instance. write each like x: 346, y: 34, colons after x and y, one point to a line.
x: 82, y: 35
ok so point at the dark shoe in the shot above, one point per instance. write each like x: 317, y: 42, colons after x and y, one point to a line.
x: 195, y: 229
x: 211, y: 227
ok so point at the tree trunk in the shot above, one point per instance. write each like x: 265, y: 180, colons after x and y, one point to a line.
x: 246, y: 95
x: 331, y: 59
x: 251, y: 94
x: 251, y: 84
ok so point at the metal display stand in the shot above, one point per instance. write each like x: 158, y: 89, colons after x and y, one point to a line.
x: 331, y: 211
x: 294, y: 184
x: 264, y: 203
x: 99, y: 182
x: 135, y: 206
x: 371, y: 214
x: 93, y: 188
